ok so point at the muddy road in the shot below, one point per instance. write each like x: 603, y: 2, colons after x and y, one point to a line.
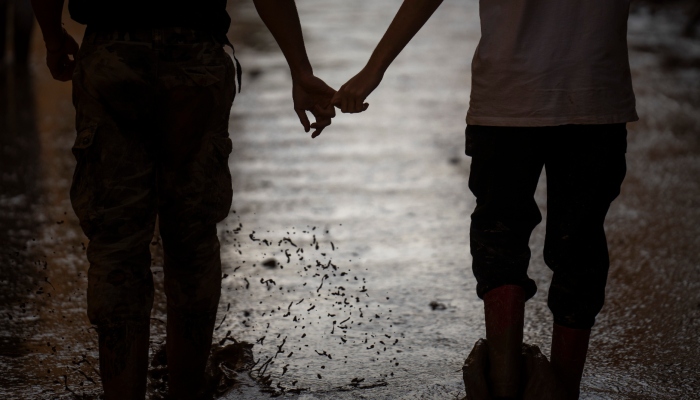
x: 346, y: 258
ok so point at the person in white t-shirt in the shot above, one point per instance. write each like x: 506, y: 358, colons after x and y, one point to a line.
x: 551, y: 87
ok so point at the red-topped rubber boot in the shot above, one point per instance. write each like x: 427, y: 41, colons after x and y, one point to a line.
x: 504, y: 308
x: 569, y: 348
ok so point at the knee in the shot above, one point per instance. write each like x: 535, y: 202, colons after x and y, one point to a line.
x: 506, y: 216
x: 192, y: 267
x: 580, y: 252
x: 118, y: 294
x: 194, y: 292
x: 189, y: 242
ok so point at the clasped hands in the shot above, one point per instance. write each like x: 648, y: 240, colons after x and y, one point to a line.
x: 312, y: 94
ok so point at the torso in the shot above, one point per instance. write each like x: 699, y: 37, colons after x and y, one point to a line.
x: 552, y: 62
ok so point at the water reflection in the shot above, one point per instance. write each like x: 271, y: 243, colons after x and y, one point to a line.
x: 396, y: 181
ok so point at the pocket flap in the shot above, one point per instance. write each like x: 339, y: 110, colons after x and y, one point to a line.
x: 205, y: 75
x: 84, y: 138
x: 223, y: 145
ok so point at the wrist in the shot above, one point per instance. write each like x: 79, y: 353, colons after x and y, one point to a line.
x: 303, y: 75
x: 375, y: 67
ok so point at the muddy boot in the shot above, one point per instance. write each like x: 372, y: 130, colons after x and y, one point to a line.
x: 187, y: 346
x: 474, y: 372
x: 538, y: 379
x: 569, y: 347
x: 124, y: 360
x: 504, y: 308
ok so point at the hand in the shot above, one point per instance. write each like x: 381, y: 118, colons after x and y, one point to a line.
x: 312, y: 94
x: 57, y: 52
x: 351, y: 96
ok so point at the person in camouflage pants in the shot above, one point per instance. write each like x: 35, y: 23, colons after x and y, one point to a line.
x: 153, y: 88
x: 153, y: 141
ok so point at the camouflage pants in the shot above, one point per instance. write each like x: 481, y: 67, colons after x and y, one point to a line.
x: 585, y: 166
x: 152, y: 118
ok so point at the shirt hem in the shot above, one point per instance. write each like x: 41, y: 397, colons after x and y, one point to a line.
x: 552, y: 121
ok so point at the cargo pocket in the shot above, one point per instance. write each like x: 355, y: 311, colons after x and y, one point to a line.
x: 83, y: 189
x: 205, y: 75
x: 193, y: 76
x: 221, y: 190
x: 83, y: 140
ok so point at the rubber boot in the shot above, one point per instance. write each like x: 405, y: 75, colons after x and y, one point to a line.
x: 124, y: 360
x: 187, y: 345
x: 504, y: 308
x: 569, y: 348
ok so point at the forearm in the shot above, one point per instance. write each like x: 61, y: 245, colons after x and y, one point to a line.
x: 48, y: 14
x: 282, y: 19
x: 410, y: 18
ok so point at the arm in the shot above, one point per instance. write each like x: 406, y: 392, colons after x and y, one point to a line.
x: 309, y: 92
x: 59, y: 44
x: 412, y: 15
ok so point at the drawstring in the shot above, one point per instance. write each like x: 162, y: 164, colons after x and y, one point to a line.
x: 239, y: 71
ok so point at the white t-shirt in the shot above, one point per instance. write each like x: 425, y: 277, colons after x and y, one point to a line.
x: 552, y: 62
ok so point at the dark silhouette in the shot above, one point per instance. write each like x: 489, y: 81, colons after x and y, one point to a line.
x: 16, y: 23
x: 153, y: 88
x: 693, y: 20
x: 551, y: 88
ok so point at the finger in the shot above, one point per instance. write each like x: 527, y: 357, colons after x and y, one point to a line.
x: 328, y: 97
x: 330, y: 91
x: 303, y: 118
x: 317, y: 133
x: 362, y: 108
x: 323, y: 112
x: 357, y: 105
x: 321, y: 88
x: 319, y: 126
x: 336, y: 100
x: 67, y: 72
x: 65, y: 75
x: 56, y: 71
x: 72, y: 46
x: 61, y: 74
x: 344, y: 105
x: 321, y: 123
x: 351, y: 106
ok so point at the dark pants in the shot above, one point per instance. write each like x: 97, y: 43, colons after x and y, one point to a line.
x: 585, y: 166
x: 152, y: 120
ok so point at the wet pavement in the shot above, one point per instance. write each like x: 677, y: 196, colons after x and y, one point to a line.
x: 346, y: 258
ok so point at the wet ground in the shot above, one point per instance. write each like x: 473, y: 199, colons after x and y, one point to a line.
x: 346, y: 260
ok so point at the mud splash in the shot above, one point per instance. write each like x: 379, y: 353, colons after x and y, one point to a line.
x: 396, y: 179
